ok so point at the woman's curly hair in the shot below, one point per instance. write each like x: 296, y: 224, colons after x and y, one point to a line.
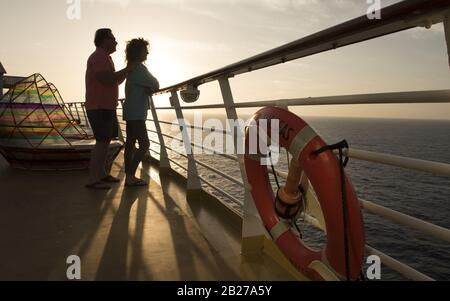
x: 134, y: 48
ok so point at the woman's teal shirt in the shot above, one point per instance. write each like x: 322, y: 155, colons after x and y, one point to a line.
x: 139, y: 82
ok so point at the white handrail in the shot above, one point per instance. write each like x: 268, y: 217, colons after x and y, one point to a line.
x: 436, y: 96
x: 403, y: 269
x: 226, y: 194
x: 398, y: 217
x: 229, y: 178
x: 406, y: 220
x: 437, y: 168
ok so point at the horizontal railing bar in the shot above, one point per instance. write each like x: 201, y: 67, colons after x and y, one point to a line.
x: 172, y: 137
x: 399, y: 218
x: 195, y: 127
x: 220, y: 173
x: 215, y: 152
x: 279, y: 173
x: 397, y: 17
x: 417, y: 97
x: 403, y: 269
x: 162, y: 121
x: 213, y: 106
x: 177, y: 164
x: 210, y: 185
x: 154, y: 141
x: 152, y: 150
x: 393, y: 160
x: 312, y: 221
x: 193, y: 144
x: 407, y: 220
x: 437, y: 168
x: 208, y: 167
x: 220, y: 191
x: 225, y: 132
x: 177, y: 152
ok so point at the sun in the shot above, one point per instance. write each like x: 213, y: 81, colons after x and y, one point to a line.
x: 164, y: 64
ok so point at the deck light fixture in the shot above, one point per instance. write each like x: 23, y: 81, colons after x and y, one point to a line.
x: 190, y: 94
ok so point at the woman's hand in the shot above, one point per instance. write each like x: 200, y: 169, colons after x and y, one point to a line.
x: 148, y: 91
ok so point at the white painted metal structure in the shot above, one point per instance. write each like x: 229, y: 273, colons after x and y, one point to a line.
x: 401, y: 16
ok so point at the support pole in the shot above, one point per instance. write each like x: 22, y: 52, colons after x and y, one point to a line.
x: 253, y: 231
x: 193, y: 182
x: 447, y: 35
x: 164, y: 164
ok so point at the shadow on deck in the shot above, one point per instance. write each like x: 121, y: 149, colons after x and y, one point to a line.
x: 150, y: 233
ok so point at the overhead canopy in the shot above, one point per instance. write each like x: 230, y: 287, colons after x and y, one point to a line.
x: 11, y: 81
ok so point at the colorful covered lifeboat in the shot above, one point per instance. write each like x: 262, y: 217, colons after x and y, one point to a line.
x: 37, y: 132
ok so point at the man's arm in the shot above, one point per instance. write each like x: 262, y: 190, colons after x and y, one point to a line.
x: 110, y: 77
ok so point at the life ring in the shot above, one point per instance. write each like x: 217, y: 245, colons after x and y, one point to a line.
x: 323, y: 172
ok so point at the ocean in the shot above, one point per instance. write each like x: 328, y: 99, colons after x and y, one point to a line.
x: 419, y: 194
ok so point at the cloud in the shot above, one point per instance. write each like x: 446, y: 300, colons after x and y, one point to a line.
x: 195, y: 7
x: 195, y: 46
x: 120, y: 3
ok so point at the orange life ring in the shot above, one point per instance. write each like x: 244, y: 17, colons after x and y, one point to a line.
x: 323, y: 172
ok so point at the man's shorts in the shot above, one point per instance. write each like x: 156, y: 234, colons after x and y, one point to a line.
x: 104, y: 124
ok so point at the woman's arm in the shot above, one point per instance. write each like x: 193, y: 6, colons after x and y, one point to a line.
x: 145, y: 79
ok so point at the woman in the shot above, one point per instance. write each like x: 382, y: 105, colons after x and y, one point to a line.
x: 140, y: 84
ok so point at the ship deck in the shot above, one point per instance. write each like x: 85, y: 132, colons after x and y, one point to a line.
x: 126, y: 233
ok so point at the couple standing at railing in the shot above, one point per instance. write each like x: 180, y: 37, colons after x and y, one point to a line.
x: 102, y: 95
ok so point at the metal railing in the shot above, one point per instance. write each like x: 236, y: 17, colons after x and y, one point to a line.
x: 398, y: 17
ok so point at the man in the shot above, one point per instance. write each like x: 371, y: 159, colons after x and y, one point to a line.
x: 102, y: 94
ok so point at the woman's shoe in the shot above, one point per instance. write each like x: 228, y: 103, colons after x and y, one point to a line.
x: 110, y: 179
x: 137, y: 183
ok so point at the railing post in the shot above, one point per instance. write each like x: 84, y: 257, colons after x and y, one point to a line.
x: 121, y: 138
x: 78, y: 113
x: 164, y: 164
x: 86, y: 121
x: 1, y: 82
x: 193, y: 182
x: 447, y: 34
x: 252, y: 227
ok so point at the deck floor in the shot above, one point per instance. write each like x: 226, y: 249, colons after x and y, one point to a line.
x: 150, y: 233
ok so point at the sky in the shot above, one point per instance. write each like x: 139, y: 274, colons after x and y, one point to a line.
x: 192, y: 37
